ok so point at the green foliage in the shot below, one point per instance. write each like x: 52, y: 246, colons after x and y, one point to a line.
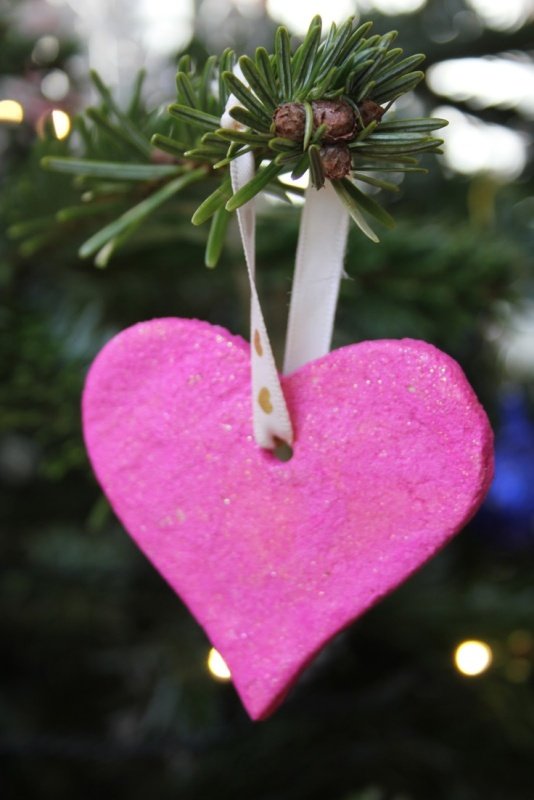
x: 39, y: 393
x: 118, y: 165
x: 345, y: 66
x: 28, y: 209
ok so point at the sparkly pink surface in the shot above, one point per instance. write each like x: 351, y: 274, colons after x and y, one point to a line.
x: 393, y: 454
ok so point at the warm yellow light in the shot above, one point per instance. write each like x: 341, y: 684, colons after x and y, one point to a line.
x: 11, y: 111
x: 472, y: 657
x: 61, y: 123
x: 217, y: 666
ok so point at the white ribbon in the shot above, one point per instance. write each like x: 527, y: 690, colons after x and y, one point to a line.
x: 318, y: 271
x: 270, y: 417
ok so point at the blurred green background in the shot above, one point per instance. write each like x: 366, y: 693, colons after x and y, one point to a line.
x: 104, y: 686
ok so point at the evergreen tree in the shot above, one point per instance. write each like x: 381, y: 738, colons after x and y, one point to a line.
x: 104, y: 686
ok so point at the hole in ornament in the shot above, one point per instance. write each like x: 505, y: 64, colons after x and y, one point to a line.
x: 282, y: 451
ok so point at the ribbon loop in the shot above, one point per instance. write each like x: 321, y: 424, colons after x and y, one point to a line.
x: 270, y: 416
x: 318, y: 271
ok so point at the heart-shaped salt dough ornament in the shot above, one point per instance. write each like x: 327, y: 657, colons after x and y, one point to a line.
x: 392, y: 456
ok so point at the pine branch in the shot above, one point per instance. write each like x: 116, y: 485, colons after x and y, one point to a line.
x: 322, y: 107
x: 121, y: 177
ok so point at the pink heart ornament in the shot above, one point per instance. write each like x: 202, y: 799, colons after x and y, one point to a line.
x: 393, y: 455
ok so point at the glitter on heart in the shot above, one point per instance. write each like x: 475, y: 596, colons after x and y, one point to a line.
x: 392, y: 456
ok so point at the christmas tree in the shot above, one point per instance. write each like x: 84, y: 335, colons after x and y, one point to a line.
x: 105, y: 680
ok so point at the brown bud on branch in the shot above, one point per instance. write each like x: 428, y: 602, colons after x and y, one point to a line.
x: 342, y: 125
x: 338, y: 116
x: 335, y: 161
x: 370, y: 111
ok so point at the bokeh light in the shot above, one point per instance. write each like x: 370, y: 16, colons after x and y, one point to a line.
x: 166, y: 27
x: 472, y: 146
x: 217, y: 666
x: 298, y: 14
x: 392, y: 7
x: 55, y: 85
x: 485, y: 82
x: 11, y: 111
x: 61, y: 123
x: 516, y: 338
x: 473, y: 657
x: 503, y: 14
x: 46, y: 50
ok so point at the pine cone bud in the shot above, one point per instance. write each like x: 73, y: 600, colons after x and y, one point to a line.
x: 369, y: 111
x: 336, y: 161
x: 339, y: 117
x: 290, y: 121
